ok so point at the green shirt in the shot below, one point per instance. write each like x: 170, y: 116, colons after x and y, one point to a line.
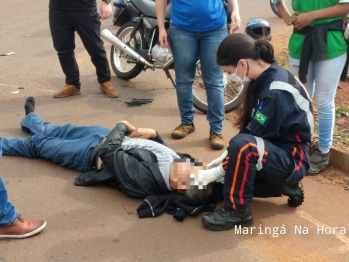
x: 336, y: 44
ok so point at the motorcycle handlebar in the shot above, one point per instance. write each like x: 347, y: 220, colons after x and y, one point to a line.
x: 118, y: 5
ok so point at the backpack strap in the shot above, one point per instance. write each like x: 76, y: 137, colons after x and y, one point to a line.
x: 291, y: 79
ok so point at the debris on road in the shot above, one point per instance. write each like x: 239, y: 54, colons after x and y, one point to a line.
x: 7, y: 54
x: 138, y: 101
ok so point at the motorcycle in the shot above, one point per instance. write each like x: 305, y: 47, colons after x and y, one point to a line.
x: 135, y: 48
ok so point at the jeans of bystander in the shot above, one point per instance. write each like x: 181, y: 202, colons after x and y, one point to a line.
x: 8, y: 213
x: 189, y: 47
x: 322, y: 80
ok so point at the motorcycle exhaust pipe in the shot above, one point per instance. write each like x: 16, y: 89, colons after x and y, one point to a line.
x: 108, y: 36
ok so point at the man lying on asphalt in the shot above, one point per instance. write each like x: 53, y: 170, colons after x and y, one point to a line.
x: 134, y: 159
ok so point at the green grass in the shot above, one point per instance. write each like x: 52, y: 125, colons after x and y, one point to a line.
x: 342, y: 111
x: 282, y: 59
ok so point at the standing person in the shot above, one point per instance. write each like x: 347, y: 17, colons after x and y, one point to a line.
x: 276, y: 125
x: 13, y: 225
x: 317, y: 53
x: 344, y: 75
x: 197, y: 28
x: 65, y: 18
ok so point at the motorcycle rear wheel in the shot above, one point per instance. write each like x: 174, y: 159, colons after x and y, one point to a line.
x: 232, y: 93
x: 120, y: 61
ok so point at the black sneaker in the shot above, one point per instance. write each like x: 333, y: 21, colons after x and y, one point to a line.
x: 318, y: 162
x: 295, y: 194
x: 223, y: 219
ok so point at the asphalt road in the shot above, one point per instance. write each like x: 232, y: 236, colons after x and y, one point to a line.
x: 101, y: 224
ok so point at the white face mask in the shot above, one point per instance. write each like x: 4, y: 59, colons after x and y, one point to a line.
x: 237, y: 79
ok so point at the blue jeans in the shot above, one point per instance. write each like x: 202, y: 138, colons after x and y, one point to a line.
x: 189, y: 47
x: 8, y: 213
x: 69, y: 145
x: 322, y: 80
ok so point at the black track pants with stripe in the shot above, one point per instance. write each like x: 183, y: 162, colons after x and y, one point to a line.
x: 243, y: 180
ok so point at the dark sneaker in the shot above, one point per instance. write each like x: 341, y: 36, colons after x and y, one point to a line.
x: 223, y: 219
x: 295, y: 194
x: 67, y: 90
x: 318, y: 162
x: 182, y: 130
x: 108, y: 89
x: 29, y: 105
x: 216, y: 141
x: 22, y: 228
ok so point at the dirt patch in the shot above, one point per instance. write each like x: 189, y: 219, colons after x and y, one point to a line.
x: 341, y: 129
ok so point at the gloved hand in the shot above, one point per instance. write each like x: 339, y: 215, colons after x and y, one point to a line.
x: 217, y: 161
x: 204, y: 177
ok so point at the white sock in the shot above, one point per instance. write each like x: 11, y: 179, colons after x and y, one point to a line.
x: 324, y: 150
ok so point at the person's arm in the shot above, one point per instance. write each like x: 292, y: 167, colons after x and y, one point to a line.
x: 160, y: 7
x: 284, y: 12
x: 112, y: 146
x: 145, y: 133
x: 305, y: 19
x: 113, y: 143
x: 235, y: 16
x: 133, y: 132
x: 106, y: 10
x: 218, y: 161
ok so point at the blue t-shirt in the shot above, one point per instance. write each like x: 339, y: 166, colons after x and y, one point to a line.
x: 198, y: 15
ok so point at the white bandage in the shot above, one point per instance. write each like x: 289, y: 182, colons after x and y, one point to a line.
x: 204, y: 177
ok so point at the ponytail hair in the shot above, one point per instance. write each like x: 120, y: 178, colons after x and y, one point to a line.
x: 241, y: 46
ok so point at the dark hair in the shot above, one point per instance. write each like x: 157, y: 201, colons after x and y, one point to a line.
x: 239, y: 46
x: 201, y: 195
x: 188, y: 158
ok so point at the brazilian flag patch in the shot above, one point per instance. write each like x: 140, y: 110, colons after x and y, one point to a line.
x: 260, y: 117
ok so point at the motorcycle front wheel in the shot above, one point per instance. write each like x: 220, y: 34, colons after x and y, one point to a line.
x: 123, y: 65
x: 232, y: 93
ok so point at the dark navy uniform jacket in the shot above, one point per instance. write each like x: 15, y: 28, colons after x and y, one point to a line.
x: 282, y: 112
